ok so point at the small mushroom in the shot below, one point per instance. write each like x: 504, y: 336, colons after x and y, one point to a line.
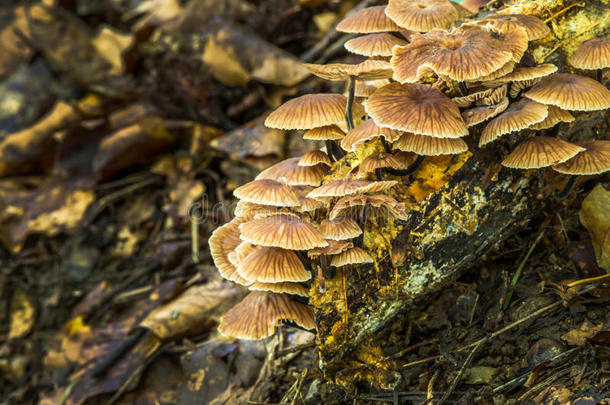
x: 267, y: 192
x: 283, y: 287
x: 257, y: 315
x: 351, y: 256
x: 290, y: 173
x: 518, y: 116
x: 342, y: 229
x: 476, y: 115
x: 285, y: 231
x: 541, y: 151
x: 367, y: 21
x: 314, y: 157
x: 595, y: 159
x: 430, y: 146
x: 534, y: 26
x: 272, y: 265
x: 366, y: 131
x: 570, y: 92
x: 223, y: 241
x: 593, y: 54
x: 340, y: 188
x: 374, y: 44
x: 423, y: 15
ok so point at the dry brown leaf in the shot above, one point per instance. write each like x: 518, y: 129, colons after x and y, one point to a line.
x: 595, y: 216
x: 112, y: 46
x: 194, y: 311
x: 253, y: 139
x: 578, y: 337
x: 23, y: 315
x: 236, y: 56
x: 32, y: 149
x: 154, y: 13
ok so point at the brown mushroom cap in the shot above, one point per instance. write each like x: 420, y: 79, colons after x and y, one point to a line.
x: 464, y: 55
x: 518, y: 116
x: 272, y: 265
x: 514, y: 38
x: 477, y: 115
x: 327, y: 132
x: 490, y: 79
x: 570, y: 92
x: 368, y: 70
x: 334, y: 247
x: 495, y: 97
x: 342, y: 229
x: 366, y: 21
x: 290, y: 173
x: 340, y: 188
x: 528, y: 73
x: 314, y: 157
x: 476, y: 94
x: 473, y: 5
x: 534, y: 26
x: 555, y: 116
x: 592, y: 54
x: 311, y: 111
x: 595, y: 159
x: 422, y: 15
x: 516, y: 87
x: 285, y: 231
x: 283, y: 287
x: 366, y: 131
x: 375, y: 201
x: 354, y: 255
x: 379, y: 161
x: 429, y: 145
x: 374, y: 44
x: 223, y: 241
x: 241, y: 251
x: 307, y: 204
x: 541, y: 151
x: 416, y: 108
x: 267, y: 192
x: 257, y: 315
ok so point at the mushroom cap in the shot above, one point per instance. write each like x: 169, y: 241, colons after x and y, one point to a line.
x: 473, y: 5
x: 290, y: 173
x: 374, y: 44
x: 416, y: 108
x: 241, y: 251
x: 343, y: 229
x: 570, y: 92
x: 367, y: 21
x: 257, y: 315
x: 422, y: 15
x: 370, y: 69
x: 354, y: 255
x: 490, y: 79
x: 311, y: 111
x: 379, y: 160
x: 514, y: 38
x: 524, y: 73
x: 267, y: 192
x: 516, y: 87
x: 495, y: 97
x: 477, y: 115
x: 334, y: 247
x: 518, y: 116
x: 429, y: 145
x: 379, y: 201
x: 314, y: 157
x: 340, y: 188
x: 283, y: 287
x: 223, y: 241
x: 467, y: 100
x: 464, y: 55
x: 592, y: 54
x: 285, y: 231
x: 366, y: 131
x: 541, y: 151
x: 555, y: 116
x: 307, y: 204
x: 272, y: 265
x: 534, y: 26
x: 327, y: 132
x: 595, y: 159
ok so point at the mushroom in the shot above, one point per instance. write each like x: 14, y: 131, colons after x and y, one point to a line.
x: 593, y: 54
x: 340, y: 188
x: 556, y: 115
x: 595, y: 159
x: 351, y: 256
x: 367, y: 70
x: 570, y: 92
x: 222, y: 241
x: 430, y: 146
x: 374, y: 44
x: 366, y: 131
x: 477, y: 93
x: 290, y: 173
x: 283, y: 287
x: 257, y: 315
x: 377, y: 162
x: 367, y: 21
x: 423, y: 15
x: 534, y: 26
x: 476, y: 115
x: 272, y: 265
x: 518, y: 116
x: 267, y: 192
x: 342, y: 229
x: 314, y: 157
x: 285, y: 231
x: 541, y: 151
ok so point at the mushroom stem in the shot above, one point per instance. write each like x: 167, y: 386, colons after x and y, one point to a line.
x: 463, y: 89
x: 363, y: 219
x: 599, y: 76
x: 555, y: 130
x: 408, y: 170
x: 339, y: 153
x: 303, y: 257
x: 566, y: 190
x: 330, y: 150
x: 378, y: 174
x: 351, y: 89
x: 385, y: 145
x: 541, y: 178
x: 321, y: 281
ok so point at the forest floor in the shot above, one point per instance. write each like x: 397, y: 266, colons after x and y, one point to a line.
x: 124, y: 128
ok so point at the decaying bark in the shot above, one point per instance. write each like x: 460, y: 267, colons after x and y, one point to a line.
x: 460, y: 207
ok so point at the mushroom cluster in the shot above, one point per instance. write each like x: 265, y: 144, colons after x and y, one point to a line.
x: 432, y: 78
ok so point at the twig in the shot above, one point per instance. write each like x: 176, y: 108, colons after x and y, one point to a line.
x: 515, y: 279
x: 560, y: 43
x: 460, y: 373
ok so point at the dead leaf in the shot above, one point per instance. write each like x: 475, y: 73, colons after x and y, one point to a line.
x: 112, y: 45
x: 595, y: 216
x: 23, y: 315
x: 235, y: 56
x: 194, y: 311
x: 253, y: 139
x: 578, y: 337
x: 154, y: 13
x: 33, y: 148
